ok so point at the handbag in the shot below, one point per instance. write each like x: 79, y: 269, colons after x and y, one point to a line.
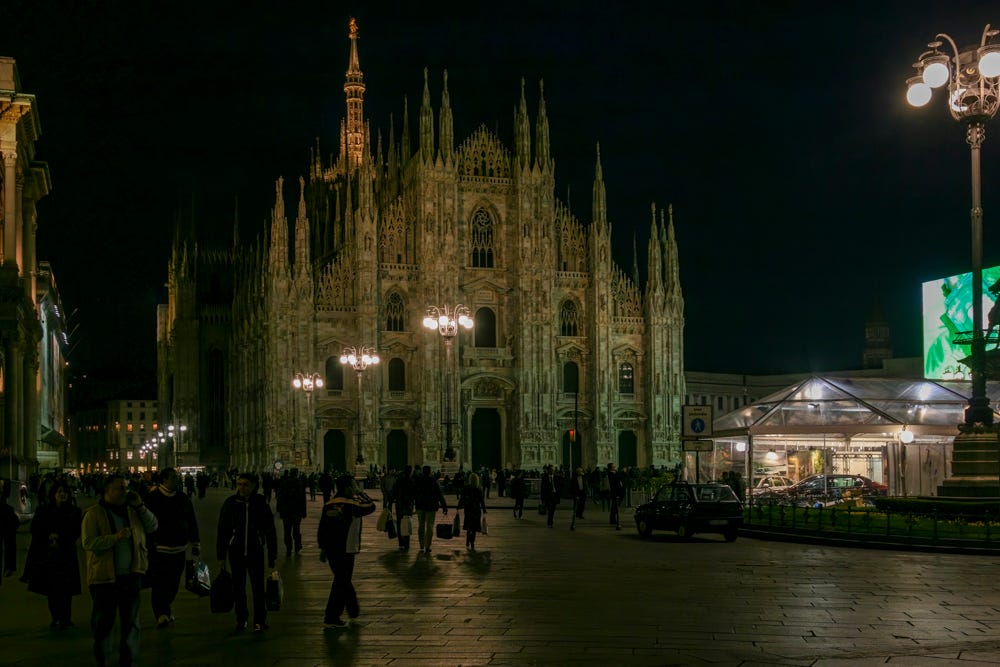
x: 443, y: 531
x: 406, y: 526
x: 274, y: 591
x: 390, y: 529
x: 222, y: 596
x: 197, y: 577
x: 384, y: 519
x: 484, y: 526
x: 456, y: 525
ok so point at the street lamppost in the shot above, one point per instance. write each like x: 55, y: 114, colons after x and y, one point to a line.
x: 307, y: 383
x: 447, y: 320
x: 359, y: 360
x: 973, y: 98
x: 175, y: 433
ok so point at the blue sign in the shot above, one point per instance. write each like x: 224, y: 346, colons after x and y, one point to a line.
x: 698, y: 425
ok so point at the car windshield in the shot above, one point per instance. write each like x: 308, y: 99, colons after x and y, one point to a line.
x: 709, y: 493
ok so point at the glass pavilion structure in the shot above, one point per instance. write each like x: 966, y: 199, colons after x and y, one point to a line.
x: 895, y: 431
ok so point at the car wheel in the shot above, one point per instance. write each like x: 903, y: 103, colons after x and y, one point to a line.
x: 684, y: 531
x: 643, y: 527
x: 731, y: 534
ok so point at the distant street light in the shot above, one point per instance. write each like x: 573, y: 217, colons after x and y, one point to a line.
x: 359, y: 359
x: 973, y: 98
x: 308, y: 383
x: 446, y: 321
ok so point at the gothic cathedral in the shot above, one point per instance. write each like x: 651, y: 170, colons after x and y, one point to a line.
x: 567, y: 361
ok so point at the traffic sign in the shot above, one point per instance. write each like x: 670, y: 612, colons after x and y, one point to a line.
x: 697, y: 421
x: 698, y: 445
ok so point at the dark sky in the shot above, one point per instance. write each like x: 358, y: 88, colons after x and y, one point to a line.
x: 803, y: 186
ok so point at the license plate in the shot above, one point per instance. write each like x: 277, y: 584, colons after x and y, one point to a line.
x: 718, y: 522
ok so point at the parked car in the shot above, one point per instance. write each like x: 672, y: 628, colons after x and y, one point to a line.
x: 691, y: 508
x: 770, y: 483
x: 826, y: 488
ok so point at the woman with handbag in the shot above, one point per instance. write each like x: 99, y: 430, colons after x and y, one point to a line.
x: 339, y: 538
x: 51, y: 567
x: 474, y: 505
x: 401, y: 495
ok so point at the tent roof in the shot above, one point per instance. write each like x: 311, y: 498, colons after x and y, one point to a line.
x: 821, y: 404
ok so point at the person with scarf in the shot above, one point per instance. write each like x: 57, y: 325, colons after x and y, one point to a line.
x: 178, y: 527
x: 51, y: 567
x: 339, y: 538
x: 114, y: 538
x: 245, y: 532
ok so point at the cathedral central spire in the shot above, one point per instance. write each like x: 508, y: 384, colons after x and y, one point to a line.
x: 354, y: 87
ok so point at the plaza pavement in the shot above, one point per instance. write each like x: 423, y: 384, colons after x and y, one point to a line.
x: 531, y: 596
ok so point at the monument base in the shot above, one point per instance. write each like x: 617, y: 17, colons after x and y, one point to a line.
x: 975, y: 464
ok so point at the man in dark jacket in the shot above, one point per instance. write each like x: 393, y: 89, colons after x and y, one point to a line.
x: 246, y: 530
x: 617, y: 494
x: 427, y: 497
x: 291, y: 506
x: 339, y: 538
x: 178, y: 526
x: 401, y: 495
x: 550, y: 494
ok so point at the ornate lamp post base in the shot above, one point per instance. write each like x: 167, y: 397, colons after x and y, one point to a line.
x: 975, y: 464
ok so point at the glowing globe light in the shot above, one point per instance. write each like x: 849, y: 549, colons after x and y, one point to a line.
x: 918, y: 94
x: 906, y: 436
x: 936, y: 75
x: 989, y: 64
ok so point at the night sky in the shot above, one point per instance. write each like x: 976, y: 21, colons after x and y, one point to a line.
x: 804, y: 188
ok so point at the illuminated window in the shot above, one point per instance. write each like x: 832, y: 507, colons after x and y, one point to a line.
x: 128, y: 427
x: 128, y: 455
x: 626, y: 381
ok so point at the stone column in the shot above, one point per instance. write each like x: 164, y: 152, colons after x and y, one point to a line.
x: 12, y: 201
x: 29, y: 413
x: 12, y: 410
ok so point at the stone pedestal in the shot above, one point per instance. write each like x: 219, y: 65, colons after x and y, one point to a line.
x: 975, y: 464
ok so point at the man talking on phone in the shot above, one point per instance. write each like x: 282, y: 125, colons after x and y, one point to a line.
x: 114, y: 538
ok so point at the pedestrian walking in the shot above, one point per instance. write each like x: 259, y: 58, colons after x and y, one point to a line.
x: 246, y: 534
x: 518, y: 491
x: 51, y: 567
x: 474, y: 504
x: 339, y: 538
x: 616, y: 493
x: 427, y: 497
x: 178, y: 527
x: 578, y: 491
x: 291, y: 505
x: 550, y: 494
x: 114, y: 538
x: 401, y: 496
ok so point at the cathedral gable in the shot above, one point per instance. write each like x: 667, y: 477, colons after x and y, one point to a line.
x: 483, y: 157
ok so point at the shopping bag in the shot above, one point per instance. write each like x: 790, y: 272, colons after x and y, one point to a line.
x: 406, y: 526
x: 222, y: 593
x: 274, y: 591
x: 443, y: 531
x: 384, y: 519
x: 484, y: 526
x: 390, y: 529
x: 456, y: 525
x: 197, y: 577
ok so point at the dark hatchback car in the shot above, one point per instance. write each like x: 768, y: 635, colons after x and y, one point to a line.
x: 826, y: 488
x: 691, y: 508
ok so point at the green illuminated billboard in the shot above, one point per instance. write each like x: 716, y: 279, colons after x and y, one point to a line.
x: 947, y: 312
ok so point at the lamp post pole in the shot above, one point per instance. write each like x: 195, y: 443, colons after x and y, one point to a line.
x: 307, y: 383
x: 359, y: 358
x: 446, y: 321
x: 972, y: 76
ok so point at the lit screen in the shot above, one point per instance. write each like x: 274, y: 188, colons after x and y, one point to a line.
x: 948, y: 311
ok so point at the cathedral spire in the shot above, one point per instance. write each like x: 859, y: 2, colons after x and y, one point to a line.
x: 404, y: 146
x: 279, y: 229
x: 302, y: 233
x: 600, y: 207
x: 542, y: 131
x: 426, y: 124
x: 673, y: 283
x: 354, y: 88
x: 655, y: 260
x: 522, y: 130
x: 635, y: 260
x: 446, y: 139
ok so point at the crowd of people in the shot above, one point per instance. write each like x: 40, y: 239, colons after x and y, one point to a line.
x: 143, y: 529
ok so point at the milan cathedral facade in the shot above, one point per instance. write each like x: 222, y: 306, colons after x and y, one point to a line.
x: 568, y: 362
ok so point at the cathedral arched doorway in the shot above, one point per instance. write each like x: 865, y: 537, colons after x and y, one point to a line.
x: 572, y: 452
x: 396, y: 454
x: 334, y: 451
x: 628, y: 451
x: 487, y: 439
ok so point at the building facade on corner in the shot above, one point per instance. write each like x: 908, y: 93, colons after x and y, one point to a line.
x: 562, y: 338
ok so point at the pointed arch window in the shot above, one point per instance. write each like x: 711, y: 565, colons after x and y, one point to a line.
x: 481, y: 239
x: 397, y: 374
x: 395, y: 315
x: 571, y: 378
x: 334, y: 375
x: 626, y: 379
x: 485, y: 328
x: 568, y: 319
